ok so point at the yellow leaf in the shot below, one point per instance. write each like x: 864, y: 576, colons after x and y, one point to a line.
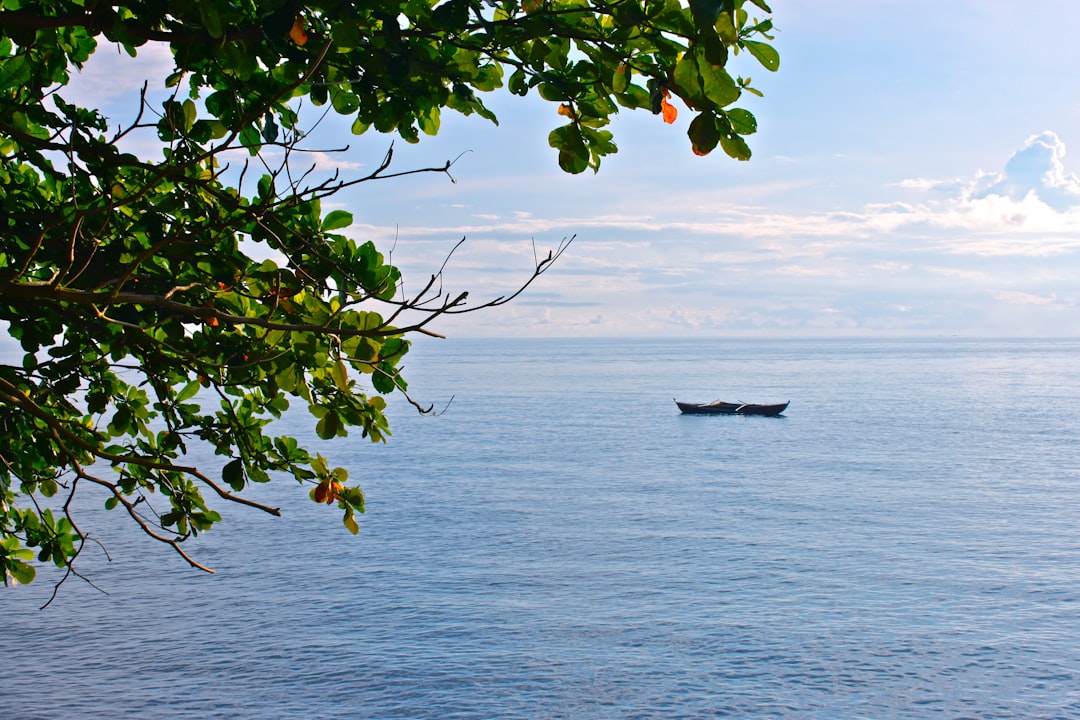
x: 350, y: 522
x: 341, y: 375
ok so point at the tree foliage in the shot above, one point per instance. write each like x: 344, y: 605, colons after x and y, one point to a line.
x: 148, y: 323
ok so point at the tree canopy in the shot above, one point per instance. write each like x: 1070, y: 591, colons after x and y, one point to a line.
x: 148, y: 322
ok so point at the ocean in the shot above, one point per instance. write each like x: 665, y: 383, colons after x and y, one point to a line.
x: 560, y: 542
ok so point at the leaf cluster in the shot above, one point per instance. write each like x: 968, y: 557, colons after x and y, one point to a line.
x: 138, y: 287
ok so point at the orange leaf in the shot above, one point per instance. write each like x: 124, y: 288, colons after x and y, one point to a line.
x: 333, y: 493
x: 567, y: 111
x: 327, y: 492
x: 212, y: 321
x: 297, y: 33
x: 669, y: 110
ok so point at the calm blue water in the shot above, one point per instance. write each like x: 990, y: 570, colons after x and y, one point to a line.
x: 561, y: 543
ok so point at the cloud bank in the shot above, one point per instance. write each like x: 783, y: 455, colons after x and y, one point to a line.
x: 991, y: 253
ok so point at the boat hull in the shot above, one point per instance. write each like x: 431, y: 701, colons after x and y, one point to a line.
x: 726, y: 408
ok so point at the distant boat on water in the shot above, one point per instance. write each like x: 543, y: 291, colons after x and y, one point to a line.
x: 725, y: 408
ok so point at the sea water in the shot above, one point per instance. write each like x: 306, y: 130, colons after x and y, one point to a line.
x: 560, y: 542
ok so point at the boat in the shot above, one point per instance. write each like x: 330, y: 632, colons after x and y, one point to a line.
x: 725, y: 408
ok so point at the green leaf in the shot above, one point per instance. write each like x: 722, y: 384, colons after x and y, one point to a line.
x: 725, y: 28
x: 23, y: 573
x: 345, y: 102
x: 705, y: 12
x: 716, y: 51
x: 270, y: 130
x: 208, y: 13
x: 573, y: 154
x: 742, y: 121
x: 34, y: 129
x: 233, y: 474
x: 551, y: 92
x: 336, y: 220
x: 250, y: 138
x: 518, y: 83
x: 718, y: 86
x: 704, y: 134
x: 328, y: 427
x: 687, y: 79
x: 189, y: 113
x: 14, y: 72
x: 189, y: 391
x: 452, y: 14
x: 359, y: 127
x: 766, y: 54
x: 346, y: 36
x: 383, y: 382
x: 735, y: 147
x: 620, y: 79
x: 429, y: 121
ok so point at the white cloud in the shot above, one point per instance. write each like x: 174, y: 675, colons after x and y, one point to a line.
x: 1036, y: 170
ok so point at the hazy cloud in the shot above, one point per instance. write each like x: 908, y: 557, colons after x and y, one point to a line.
x: 326, y: 161
x: 1023, y: 298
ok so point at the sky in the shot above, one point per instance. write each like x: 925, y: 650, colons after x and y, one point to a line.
x: 910, y: 177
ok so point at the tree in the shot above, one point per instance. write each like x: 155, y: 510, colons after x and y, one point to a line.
x: 133, y: 284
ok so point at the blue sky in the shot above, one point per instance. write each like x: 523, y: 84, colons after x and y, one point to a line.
x: 910, y: 177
